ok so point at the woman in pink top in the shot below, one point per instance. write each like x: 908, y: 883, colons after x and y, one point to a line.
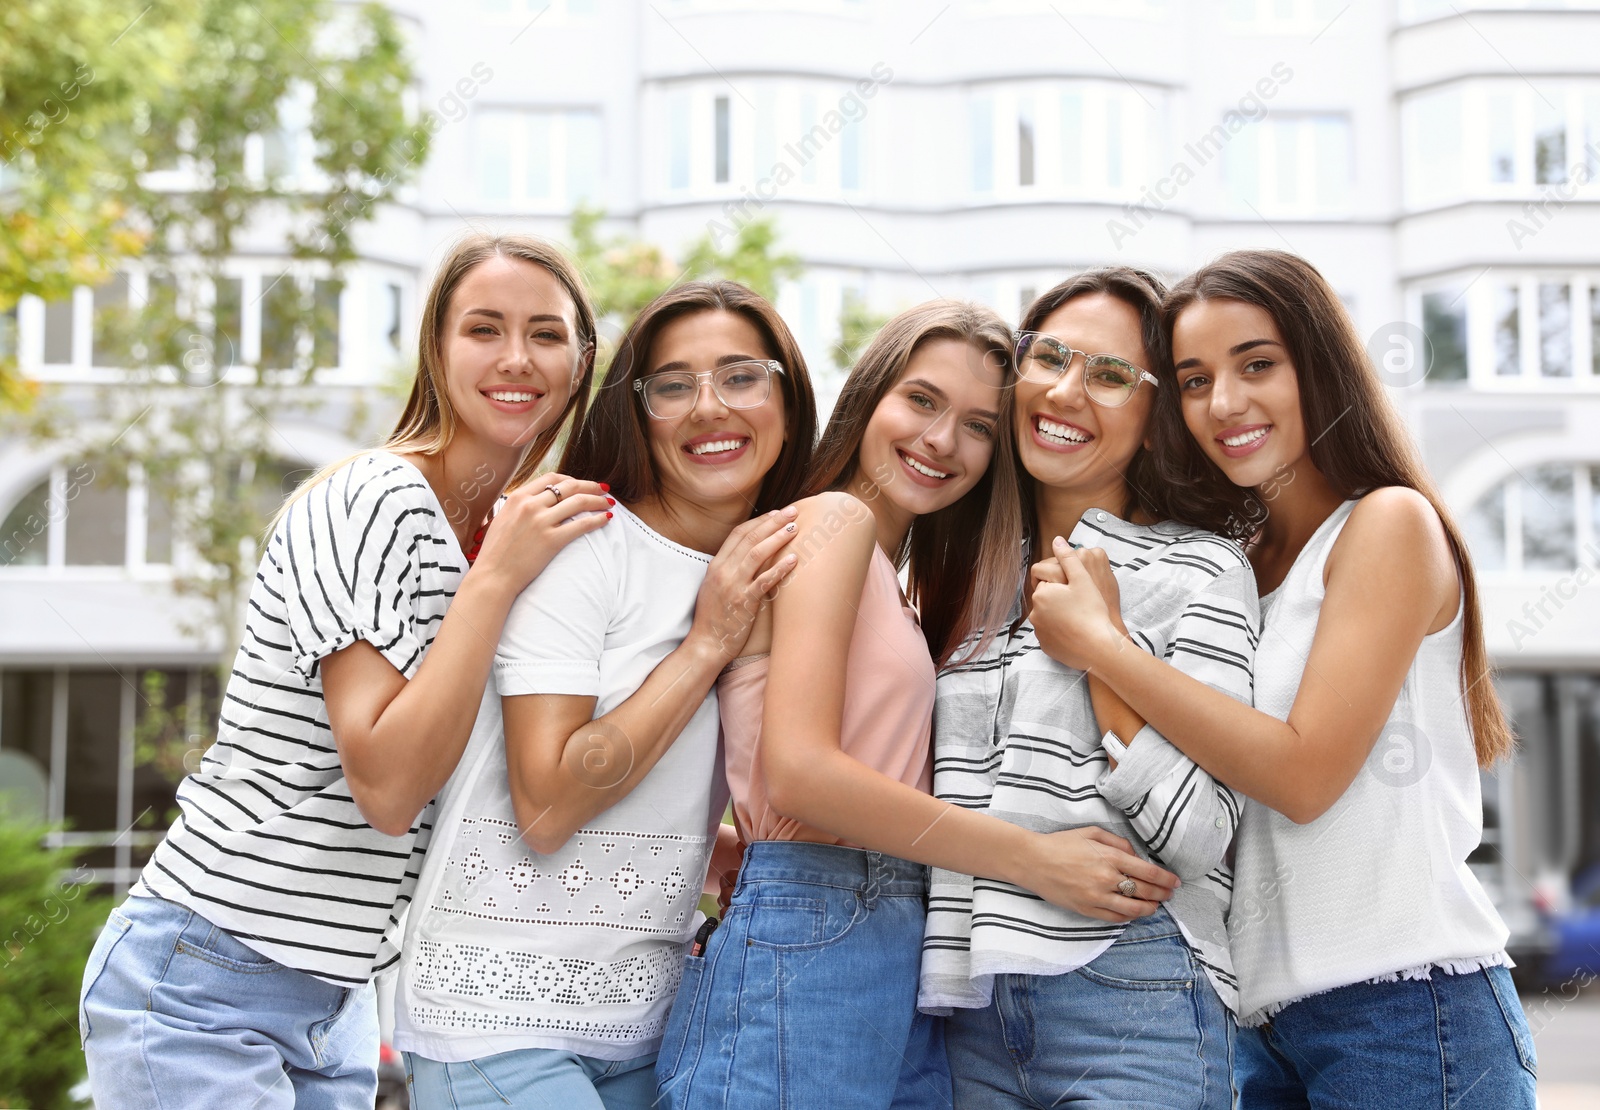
x: 806, y: 994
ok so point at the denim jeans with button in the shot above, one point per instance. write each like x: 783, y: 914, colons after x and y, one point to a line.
x: 806, y: 995
x: 1138, y: 1026
x: 1457, y: 1041
x: 177, y: 1013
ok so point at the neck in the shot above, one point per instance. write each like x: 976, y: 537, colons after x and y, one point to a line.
x: 893, y: 521
x: 468, y: 477
x: 1304, y: 499
x: 701, y: 528
x: 1057, y: 509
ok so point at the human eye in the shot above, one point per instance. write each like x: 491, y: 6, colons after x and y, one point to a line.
x: 979, y: 428
x: 921, y: 400
x: 480, y: 329
x: 669, y: 385
x: 1258, y: 365
x: 741, y: 378
x: 1193, y: 382
x: 550, y: 335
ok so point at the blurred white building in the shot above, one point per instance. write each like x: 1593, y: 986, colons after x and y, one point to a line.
x: 1438, y: 161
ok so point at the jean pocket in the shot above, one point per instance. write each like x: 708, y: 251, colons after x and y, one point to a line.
x: 1161, y: 964
x: 222, y: 950
x: 116, y: 927
x: 1505, y: 995
x: 797, y: 922
x: 680, y: 1019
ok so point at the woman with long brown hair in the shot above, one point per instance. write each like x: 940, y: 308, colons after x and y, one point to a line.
x: 238, y: 972
x: 550, y: 921
x: 1372, y: 965
x: 805, y: 995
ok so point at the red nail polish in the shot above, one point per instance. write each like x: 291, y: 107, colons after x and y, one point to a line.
x: 608, y: 516
x: 606, y: 486
x: 611, y: 501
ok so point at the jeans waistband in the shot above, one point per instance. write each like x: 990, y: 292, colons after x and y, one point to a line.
x: 832, y: 865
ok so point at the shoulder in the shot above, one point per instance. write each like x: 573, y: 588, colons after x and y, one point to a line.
x: 1200, y: 553
x: 1394, y: 520
x: 371, y: 485
x: 834, y: 515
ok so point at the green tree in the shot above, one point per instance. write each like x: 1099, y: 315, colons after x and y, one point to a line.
x: 857, y: 325
x: 159, y: 156
x: 49, y: 927
x: 625, y: 274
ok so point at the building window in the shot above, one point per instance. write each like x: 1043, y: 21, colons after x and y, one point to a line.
x: 1081, y: 140
x: 1025, y: 141
x: 1444, y: 322
x: 1493, y: 138
x: 79, y: 516
x: 536, y: 159
x: 678, y: 139
x: 1540, y: 520
x: 1292, y: 165
x: 721, y: 138
x: 981, y: 130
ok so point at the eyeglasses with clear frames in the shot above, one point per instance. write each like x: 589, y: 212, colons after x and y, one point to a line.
x: 1108, y: 381
x: 739, y: 385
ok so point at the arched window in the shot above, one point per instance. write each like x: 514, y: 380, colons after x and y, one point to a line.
x: 1543, y: 518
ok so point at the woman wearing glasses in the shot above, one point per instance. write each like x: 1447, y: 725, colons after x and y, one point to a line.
x: 1125, y: 1001
x: 806, y: 993
x: 550, y: 921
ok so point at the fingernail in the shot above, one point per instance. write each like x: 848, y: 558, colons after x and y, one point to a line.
x: 611, y: 501
x: 1058, y: 542
x: 789, y: 527
x: 605, y: 487
x: 608, y: 516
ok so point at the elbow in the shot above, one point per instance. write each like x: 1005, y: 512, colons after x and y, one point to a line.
x: 786, y: 792
x: 544, y: 829
x: 1306, y: 809
x: 382, y: 813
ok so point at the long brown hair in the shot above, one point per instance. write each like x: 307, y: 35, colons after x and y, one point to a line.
x: 612, y: 444
x: 428, y: 422
x: 1149, y: 493
x: 963, y: 559
x: 1361, y: 443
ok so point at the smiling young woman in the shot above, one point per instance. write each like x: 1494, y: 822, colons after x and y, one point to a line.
x: 238, y: 972
x: 1371, y: 961
x: 550, y: 920
x: 1122, y: 997
x: 827, y: 720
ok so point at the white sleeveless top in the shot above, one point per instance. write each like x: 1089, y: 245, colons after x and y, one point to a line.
x: 1378, y: 887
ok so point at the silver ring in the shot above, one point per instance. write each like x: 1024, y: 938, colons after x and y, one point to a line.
x: 1127, y: 887
x: 554, y: 490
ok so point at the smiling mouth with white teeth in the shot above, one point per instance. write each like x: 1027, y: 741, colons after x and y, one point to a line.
x: 1052, y: 432
x: 920, y: 468
x: 510, y: 396
x: 1244, y: 438
x: 716, y: 446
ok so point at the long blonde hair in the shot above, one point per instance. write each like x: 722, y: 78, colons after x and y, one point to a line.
x: 428, y: 422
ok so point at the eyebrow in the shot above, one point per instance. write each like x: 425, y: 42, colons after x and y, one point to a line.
x: 496, y: 314
x: 725, y: 360
x: 939, y: 393
x: 1238, y: 349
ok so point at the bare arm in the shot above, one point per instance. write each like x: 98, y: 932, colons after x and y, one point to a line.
x: 1390, y: 581
x: 400, y: 740
x: 567, y: 767
x: 810, y: 779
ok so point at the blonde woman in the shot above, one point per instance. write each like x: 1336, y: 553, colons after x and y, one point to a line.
x: 238, y: 972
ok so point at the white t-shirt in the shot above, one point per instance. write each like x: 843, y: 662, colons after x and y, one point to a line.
x: 581, y: 950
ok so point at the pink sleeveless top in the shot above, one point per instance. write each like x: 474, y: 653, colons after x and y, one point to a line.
x: 888, y: 709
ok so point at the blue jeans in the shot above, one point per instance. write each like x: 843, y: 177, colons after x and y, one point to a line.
x: 807, y: 993
x: 533, y: 1078
x: 1450, y: 1040
x: 176, y: 1013
x: 1139, y: 1026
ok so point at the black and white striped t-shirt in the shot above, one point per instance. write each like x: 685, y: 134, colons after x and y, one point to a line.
x: 1015, y: 735
x: 269, y: 844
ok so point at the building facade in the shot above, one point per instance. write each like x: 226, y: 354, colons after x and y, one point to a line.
x: 1439, y: 162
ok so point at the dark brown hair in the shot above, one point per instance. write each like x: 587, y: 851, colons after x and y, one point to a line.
x: 612, y: 444
x: 1142, y: 291
x: 1360, y: 443
x: 963, y: 559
